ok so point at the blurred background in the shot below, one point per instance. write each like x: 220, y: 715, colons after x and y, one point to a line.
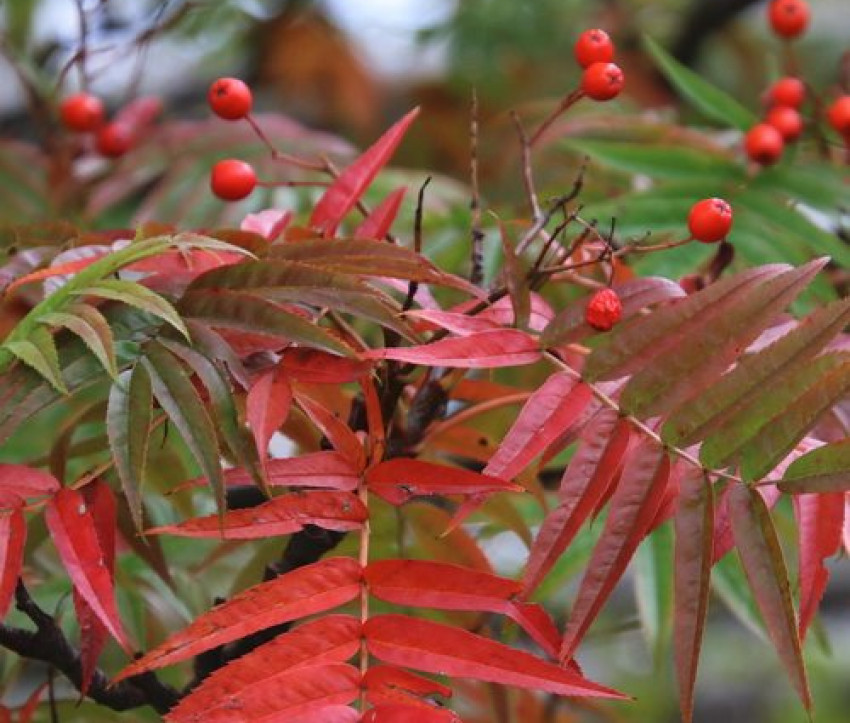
x: 332, y: 74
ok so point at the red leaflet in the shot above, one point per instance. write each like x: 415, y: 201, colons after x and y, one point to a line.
x: 270, y: 223
x: 331, y: 639
x: 398, y: 480
x: 548, y: 413
x: 437, y: 648
x: 377, y: 224
x: 633, y: 506
x: 319, y: 367
x: 347, y: 189
x: 846, y: 531
x: 400, y: 713
x: 299, y: 694
x: 761, y: 556
x: 480, y: 350
x: 453, y: 587
x: 267, y: 407
x: 820, y: 520
x: 73, y: 528
x: 337, y: 431
x: 587, y: 477
x: 692, y: 571
x: 280, y: 516
x: 71, y: 267
x: 502, y: 312
x: 93, y: 634
x: 457, y: 324
x: 23, y: 481
x: 13, y: 536
x: 305, y: 591
x: 723, y: 540
x: 386, y: 684
x: 328, y: 714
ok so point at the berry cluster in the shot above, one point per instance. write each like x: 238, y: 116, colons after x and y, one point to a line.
x: 232, y: 100
x: 602, y: 79
x: 783, y: 122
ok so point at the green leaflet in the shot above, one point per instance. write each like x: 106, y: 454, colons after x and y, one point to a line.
x: 825, y: 469
x: 631, y: 345
x: 706, y: 344
x: 765, y: 430
x: 710, y: 100
x: 180, y: 401
x: 38, y: 351
x: 246, y: 312
x: 740, y: 387
x: 92, y: 328
x: 233, y: 432
x: 663, y: 161
x: 133, y: 294
x: 295, y: 282
x: 819, y: 185
x: 129, y: 414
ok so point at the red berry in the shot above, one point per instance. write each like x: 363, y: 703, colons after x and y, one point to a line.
x: 114, y: 139
x: 787, y: 121
x: 602, y: 81
x: 710, y: 220
x: 230, y: 98
x: 603, y: 310
x: 763, y: 144
x: 788, y: 18
x: 82, y: 112
x: 787, y: 91
x: 593, y: 46
x: 232, y: 180
x: 839, y: 115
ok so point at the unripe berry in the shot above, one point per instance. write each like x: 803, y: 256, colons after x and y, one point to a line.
x: 114, y: 140
x: 82, y: 112
x: 839, y: 115
x: 603, y: 310
x: 230, y: 98
x: 788, y: 91
x: 593, y: 46
x: 787, y: 121
x: 232, y: 180
x: 788, y: 18
x: 710, y: 220
x: 763, y: 144
x: 602, y: 81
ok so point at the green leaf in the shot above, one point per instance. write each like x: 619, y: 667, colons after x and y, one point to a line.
x: 825, y: 469
x: 294, y: 282
x: 38, y: 351
x: 133, y: 294
x: 180, y: 401
x: 820, y: 185
x: 129, y: 415
x: 707, y: 343
x: 704, y: 96
x: 752, y: 375
x: 633, y: 344
x: 90, y: 325
x: 766, y: 429
x: 662, y: 161
x: 246, y: 312
x: 234, y: 433
x: 761, y: 556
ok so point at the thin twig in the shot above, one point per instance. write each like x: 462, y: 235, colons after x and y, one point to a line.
x: 527, y: 174
x: 566, y: 102
x: 413, y: 286
x: 476, y: 274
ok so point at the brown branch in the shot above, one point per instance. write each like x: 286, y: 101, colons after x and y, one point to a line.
x: 476, y: 274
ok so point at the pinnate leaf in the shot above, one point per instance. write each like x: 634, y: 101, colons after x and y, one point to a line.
x: 13, y: 536
x: 88, y: 324
x: 825, y: 469
x: 304, y: 591
x: 267, y: 406
x: 437, y: 648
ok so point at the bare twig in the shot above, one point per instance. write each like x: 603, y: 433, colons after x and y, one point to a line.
x: 413, y: 286
x: 476, y: 274
x: 527, y: 174
x: 566, y: 102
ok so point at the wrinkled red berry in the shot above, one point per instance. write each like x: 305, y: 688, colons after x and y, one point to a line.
x: 602, y: 81
x: 82, y: 112
x: 593, y: 46
x: 603, y: 310
x: 230, y: 98
x: 114, y: 140
x: 839, y: 115
x: 763, y: 144
x: 232, y: 180
x: 710, y: 220
x: 788, y: 18
x: 787, y: 121
x: 788, y: 91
